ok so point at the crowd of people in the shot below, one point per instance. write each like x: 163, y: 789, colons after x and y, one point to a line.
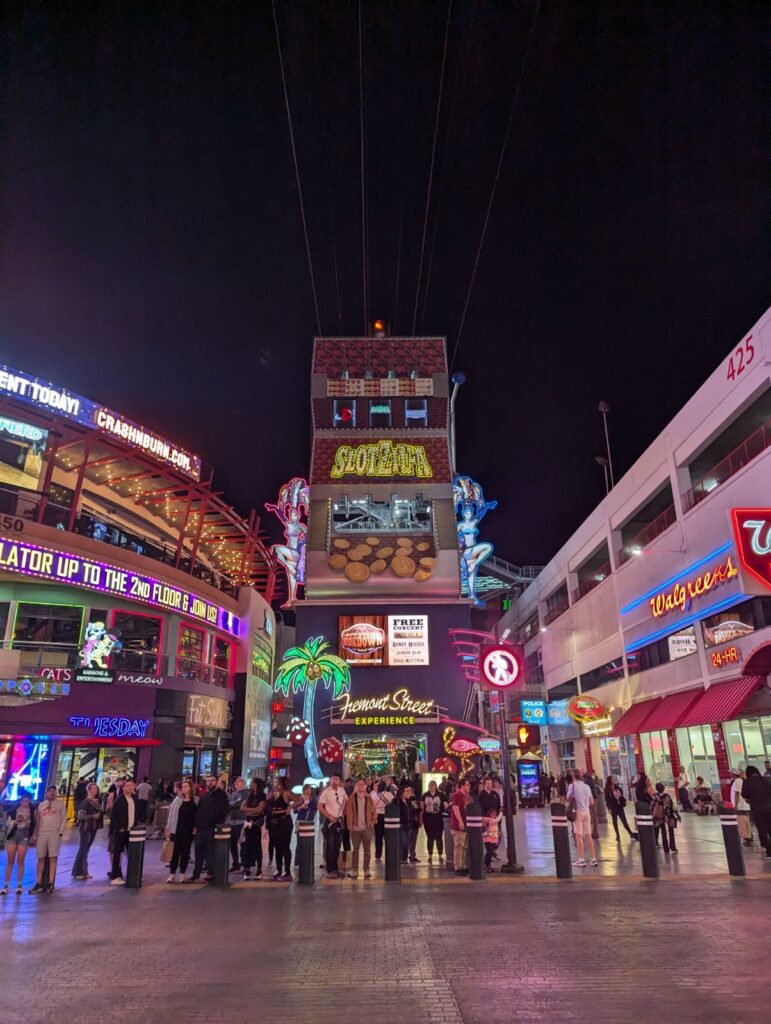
x: 352, y: 817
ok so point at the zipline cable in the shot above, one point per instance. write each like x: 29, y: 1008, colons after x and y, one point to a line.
x: 431, y: 166
x: 514, y: 99
x: 296, y: 170
x: 364, y: 268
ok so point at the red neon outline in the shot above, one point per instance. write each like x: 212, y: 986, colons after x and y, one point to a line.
x: 735, y: 513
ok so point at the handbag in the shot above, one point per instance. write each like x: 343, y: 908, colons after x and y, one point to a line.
x: 572, y: 808
x: 167, y: 851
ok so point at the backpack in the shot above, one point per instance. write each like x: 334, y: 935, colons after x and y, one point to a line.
x: 657, y: 811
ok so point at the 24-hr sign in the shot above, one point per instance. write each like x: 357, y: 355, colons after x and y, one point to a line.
x: 752, y: 530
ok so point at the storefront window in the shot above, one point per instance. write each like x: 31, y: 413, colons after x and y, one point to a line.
x: 115, y: 763
x: 221, y: 662
x: 567, y: 755
x: 616, y: 758
x: 655, y: 751
x: 42, y: 624
x: 748, y: 742
x: 697, y: 753
x: 21, y: 453
x: 190, y: 653
x: 140, y: 636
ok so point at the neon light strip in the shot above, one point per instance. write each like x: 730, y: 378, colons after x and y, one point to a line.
x: 662, y: 586
x: 73, y: 570
x: 676, y: 626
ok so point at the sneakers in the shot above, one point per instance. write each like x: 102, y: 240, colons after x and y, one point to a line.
x: 331, y: 874
x: 51, y: 887
x: 277, y: 877
x: 353, y: 874
x: 117, y: 881
x: 4, y: 891
x: 18, y: 890
x: 36, y: 888
x: 246, y: 877
x: 287, y: 877
x: 79, y: 878
x: 414, y: 860
x: 367, y: 874
x: 673, y: 849
x: 580, y: 863
x: 170, y: 880
x: 593, y: 862
x: 258, y: 876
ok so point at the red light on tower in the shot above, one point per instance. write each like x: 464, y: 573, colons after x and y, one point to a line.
x: 379, y: 328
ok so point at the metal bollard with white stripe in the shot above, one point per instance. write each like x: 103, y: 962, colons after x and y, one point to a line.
x: 476, y: 849
x: 135, y: 859
x: 221, y: 864
x: 449, y: 848
x: 560, y: 830
x: 393, y: 843
x: 306, y: 851
x: 646, y: 832
x: 733, y: 845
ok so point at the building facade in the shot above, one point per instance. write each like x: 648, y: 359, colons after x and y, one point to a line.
x: 381, y: 568
x: 658, y: 609
x: 137, y: 632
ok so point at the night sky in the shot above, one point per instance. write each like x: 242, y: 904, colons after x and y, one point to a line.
x: 153, y: 255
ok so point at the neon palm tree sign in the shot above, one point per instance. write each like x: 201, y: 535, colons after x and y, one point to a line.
x: 302, y: 668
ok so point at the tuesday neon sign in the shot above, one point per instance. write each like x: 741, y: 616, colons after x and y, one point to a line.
x: 76, y: 571
x: 112, y: 727
x: 42, y: 395
x: 679, y: 597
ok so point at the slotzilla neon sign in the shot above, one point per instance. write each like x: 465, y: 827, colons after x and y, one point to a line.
x: 381, y: 459
x: 679, y: 597
x: 76, y: 571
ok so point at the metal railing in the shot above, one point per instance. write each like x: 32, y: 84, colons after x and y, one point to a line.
x: 24, y: 504
x: 592, y: 581
x: 555, y: 611
x: 662, y: 522
x: 749, y: 449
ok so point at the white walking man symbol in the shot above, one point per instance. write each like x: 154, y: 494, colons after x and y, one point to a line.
x: 500, y: 668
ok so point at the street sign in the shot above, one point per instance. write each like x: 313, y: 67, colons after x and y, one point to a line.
x: 501, y: 666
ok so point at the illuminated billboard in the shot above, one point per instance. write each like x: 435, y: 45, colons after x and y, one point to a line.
x: 52, y: 398
x: 391, y: 640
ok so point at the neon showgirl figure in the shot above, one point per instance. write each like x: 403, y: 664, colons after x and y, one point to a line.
x: 470, y: 510
x: 292, y: 504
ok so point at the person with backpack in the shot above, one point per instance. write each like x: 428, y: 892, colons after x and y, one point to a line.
x: 615, y: 801
x: 580, y: 802
x: 665, y: 817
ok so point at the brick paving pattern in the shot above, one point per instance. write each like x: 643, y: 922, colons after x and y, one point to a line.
x: 608, y: 950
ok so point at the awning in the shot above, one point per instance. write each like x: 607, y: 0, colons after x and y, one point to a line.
x: 634, y: 717
x: 721, y: 701
x: 671, y: 709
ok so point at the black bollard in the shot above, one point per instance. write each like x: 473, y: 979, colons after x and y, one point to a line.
x: 393, y: 843
x: 449, y: 848
x: 733, y: 844
x: 306, y: 852
x: 135, y: 858
x: 646, y: 833
x: 560, y: 829
x: 220, y: 874
x: 476, y: 848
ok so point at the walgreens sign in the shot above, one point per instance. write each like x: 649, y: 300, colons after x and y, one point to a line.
x: 752, y: 530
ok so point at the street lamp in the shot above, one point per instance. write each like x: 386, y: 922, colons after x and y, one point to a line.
x: 457, y: 380
x: 604, y: 408
x: 602, y: 461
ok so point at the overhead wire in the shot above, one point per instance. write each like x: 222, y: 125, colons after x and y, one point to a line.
x: 364, y: 267
x: 506, y: 135
x: 431, y: 165
x: 398, y: 268
x: 296, y: 170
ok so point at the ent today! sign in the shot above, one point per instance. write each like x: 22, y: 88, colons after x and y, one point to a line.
x: 74, y: 570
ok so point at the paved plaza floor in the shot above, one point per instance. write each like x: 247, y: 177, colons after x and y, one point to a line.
x: 608, y: 949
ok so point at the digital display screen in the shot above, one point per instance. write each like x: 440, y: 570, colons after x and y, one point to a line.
x: 28, y: 770
x: 527, y: 778
x: 375, y: 640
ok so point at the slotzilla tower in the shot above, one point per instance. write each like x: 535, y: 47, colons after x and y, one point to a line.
x: 382, y: 579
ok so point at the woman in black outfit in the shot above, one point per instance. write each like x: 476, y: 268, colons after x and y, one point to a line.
x: 181, y: 825
x: 279, y: 812
x: 253, y: 810
x: 615, y: 801
x: 432, y: 819
x: 642, y: 788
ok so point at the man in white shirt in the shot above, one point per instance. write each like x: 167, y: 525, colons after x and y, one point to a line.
x: 331, y: 807
x: 741, y: 805
x: 582, y: 826
x: 143, y: 795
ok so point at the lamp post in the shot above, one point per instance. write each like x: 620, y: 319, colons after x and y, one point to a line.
x: 602, y: 461
x: 604, y: 408
x: 457, y: 379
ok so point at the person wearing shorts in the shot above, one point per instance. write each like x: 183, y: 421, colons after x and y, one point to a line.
x: 50, y: 820
x: 582, y: 826
x: 20, y: 829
